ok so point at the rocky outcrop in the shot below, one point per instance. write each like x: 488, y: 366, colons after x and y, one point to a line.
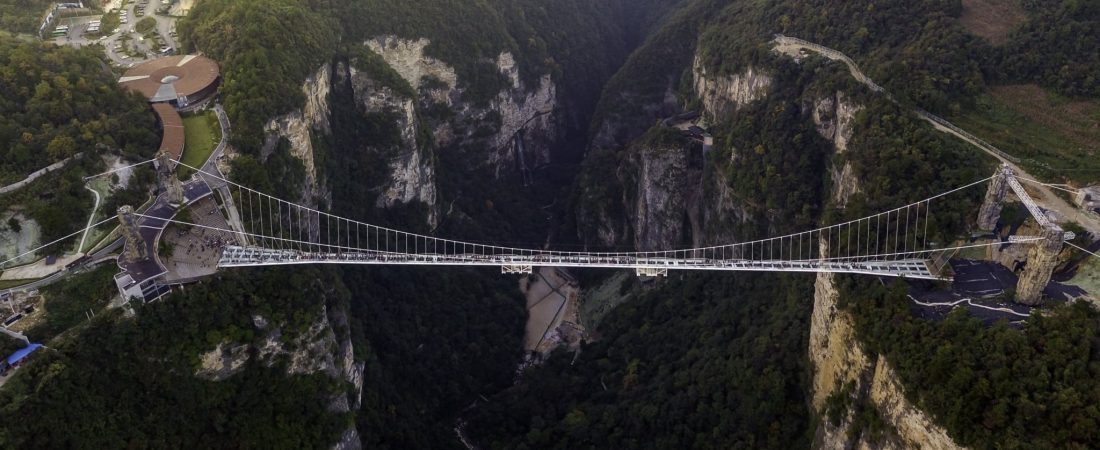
x: 324, y: 347
x: 660, y: 205
x: 672, y: 197
x: 721, y: 95
x: 223, y: 361
x: 530, y: 112
x: 845, y: 184
x: 993, y: 202
x: 834, y: 116
x: 407, y: 58
x: 298, y: 126
x: 411, y: 169
x: 518, y: 108
x: 914, y: 429
x: 1041, y: 261
x: 843, y: 369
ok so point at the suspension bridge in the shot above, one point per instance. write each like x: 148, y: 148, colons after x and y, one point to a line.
x: 270, y: 231
x: 274, y: 231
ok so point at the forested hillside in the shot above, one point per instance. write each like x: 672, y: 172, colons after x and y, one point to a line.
x: 691, y: 361
x: 60, y: 101
x: 130, y: 381
x: 265, y: 48
x: 700, y: 361
x: 1056, y: 48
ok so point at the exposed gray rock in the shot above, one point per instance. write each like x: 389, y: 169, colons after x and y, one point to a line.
x: 722, y: 95
x: 1041, y: 261
x: 298, y: 126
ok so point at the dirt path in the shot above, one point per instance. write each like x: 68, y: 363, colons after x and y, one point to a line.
x: 1043, y: 195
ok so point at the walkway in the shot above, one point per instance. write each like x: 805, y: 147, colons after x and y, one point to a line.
x: 36, y: 174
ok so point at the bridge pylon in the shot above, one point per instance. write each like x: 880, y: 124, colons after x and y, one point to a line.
x: 994, y: 199
x: 134, y: 250
x: 1041, y: 261
x: 166, y: 176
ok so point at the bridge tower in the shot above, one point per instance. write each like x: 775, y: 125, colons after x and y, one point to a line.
x: 134, y: 249
x: 994, y: 199
x: 1042, y: 258
x: 166, y: 174
x: 1041, y: 261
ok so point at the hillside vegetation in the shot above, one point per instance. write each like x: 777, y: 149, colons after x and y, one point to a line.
x: 129, y: 381
x: 60, y: 101
x: 991, y: 387
x: 266, y: 48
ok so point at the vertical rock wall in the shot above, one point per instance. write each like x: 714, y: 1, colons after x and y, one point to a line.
x: 298, y: 128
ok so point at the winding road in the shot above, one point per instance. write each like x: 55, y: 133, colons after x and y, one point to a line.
x: 91, y: 217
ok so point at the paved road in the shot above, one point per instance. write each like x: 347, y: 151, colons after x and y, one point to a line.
x: 980, y: 287
x: 91, y: 217
x: 211, y: 167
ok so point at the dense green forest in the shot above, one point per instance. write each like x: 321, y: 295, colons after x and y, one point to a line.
x: 22, y: 16
x: 991, y: 387
x: 60, y: 101
x: 433, y: 340
x: 698, y: 361
x: 266, y: 49
x: 1056, y: 48
x: 129, y: 381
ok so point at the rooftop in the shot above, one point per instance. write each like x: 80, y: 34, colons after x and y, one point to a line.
x: 168, y: 78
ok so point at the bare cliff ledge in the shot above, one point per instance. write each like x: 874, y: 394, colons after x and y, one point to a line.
x: 517, y: 112
x: 834, y: 116
x: 670, y: 193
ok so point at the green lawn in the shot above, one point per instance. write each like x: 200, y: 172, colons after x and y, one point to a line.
x: 1055, y: 138
x: 201, y: 136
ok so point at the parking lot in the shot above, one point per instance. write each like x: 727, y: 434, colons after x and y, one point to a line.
x: 124, y: 44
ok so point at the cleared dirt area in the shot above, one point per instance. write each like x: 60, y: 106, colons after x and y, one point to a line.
x: 552, y: 313
x: 1058, y: 138
x: 1077, y: 120
x: 992, y: 19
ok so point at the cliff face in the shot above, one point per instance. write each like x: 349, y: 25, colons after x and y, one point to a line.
x: 844, y: 371
x: 662, y: 186
x: 671, y: 195
x: 324, y: 347
x: 411, y: 175
x: 530, y: 110
x: 834, y: 116
x: 722, y: 95
x: 516, y: 127
x: 299, y: 128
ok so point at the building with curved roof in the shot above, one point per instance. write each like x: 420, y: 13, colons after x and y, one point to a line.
x: 181, y: 80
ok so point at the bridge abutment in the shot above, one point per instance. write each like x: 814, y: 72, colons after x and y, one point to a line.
x: 134, y: 250
x: 994, y: 200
